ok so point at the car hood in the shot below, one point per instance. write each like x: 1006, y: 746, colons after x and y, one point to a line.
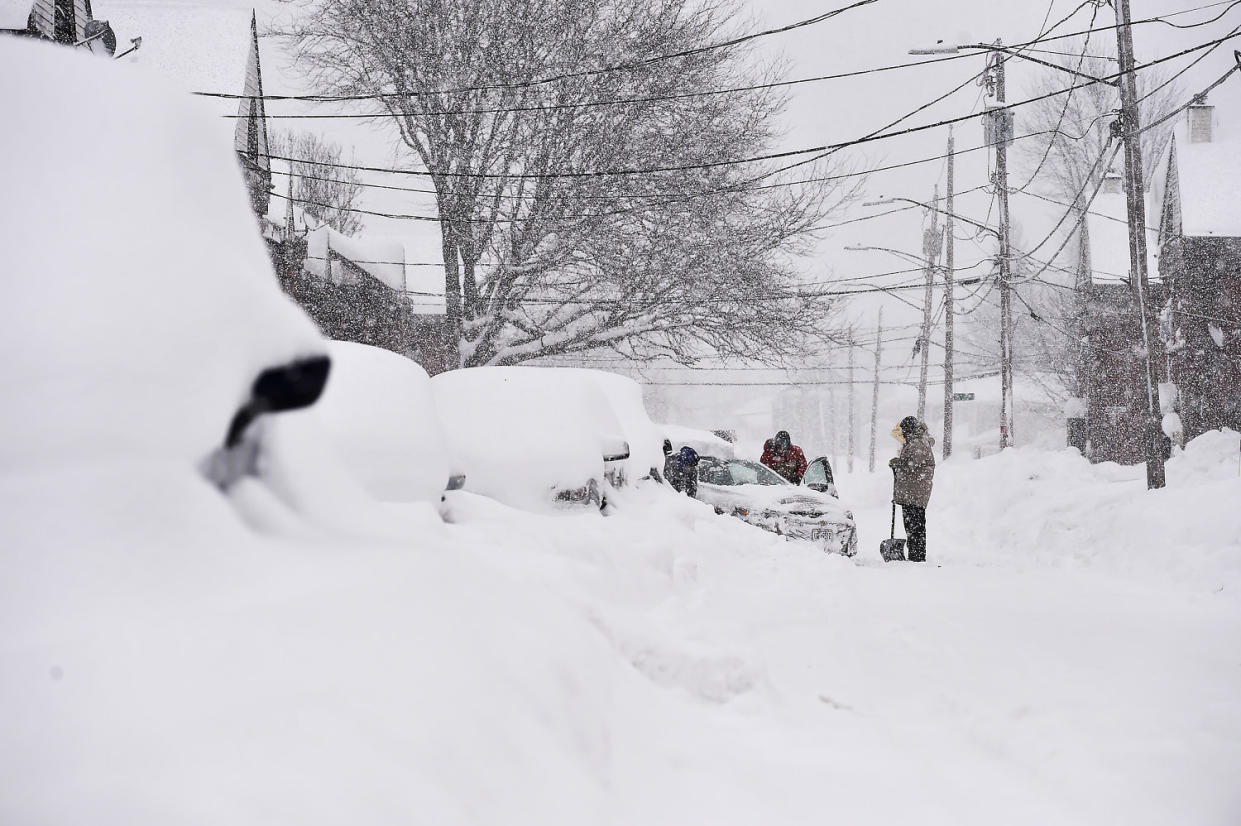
x: 781, y: 498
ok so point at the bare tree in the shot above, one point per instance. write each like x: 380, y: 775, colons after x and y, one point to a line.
x: 554, y: 239
x: 325, y: 190
x: 1075, y: 127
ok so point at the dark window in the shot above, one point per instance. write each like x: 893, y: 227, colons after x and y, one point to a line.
x: 66, y: 30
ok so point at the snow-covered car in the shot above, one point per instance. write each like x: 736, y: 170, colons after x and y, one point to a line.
x: 624, y: 396
x: 758, y: 495
x: 531, y: 436
x: 379, y: 418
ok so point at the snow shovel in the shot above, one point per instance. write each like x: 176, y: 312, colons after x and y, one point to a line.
x: 893, y: 549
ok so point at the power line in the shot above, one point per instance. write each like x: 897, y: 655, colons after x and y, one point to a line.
x: 313, y: 98
x: 819, y: 383
x: 668, y: 197
x: 1064, y: 111
x: 1089, y: 178
x: 526, y: 84
x: 832, y: 147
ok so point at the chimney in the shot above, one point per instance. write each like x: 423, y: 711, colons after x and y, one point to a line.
x: 1113, y: 183
x: 1201, y: 115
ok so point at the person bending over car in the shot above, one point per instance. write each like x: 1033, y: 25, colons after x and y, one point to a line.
x: 784, y: 457
x: 914, y: 470
x: 681, y: 468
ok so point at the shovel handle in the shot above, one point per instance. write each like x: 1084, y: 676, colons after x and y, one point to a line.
x: 892, y: 535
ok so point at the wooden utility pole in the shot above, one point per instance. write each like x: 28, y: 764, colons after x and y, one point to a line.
x: 851, y: 404
x: 948, y: 307
x: 874, y: 399
x: 1001, y: 133
x: 1135, y: 190
x: 930, y: 248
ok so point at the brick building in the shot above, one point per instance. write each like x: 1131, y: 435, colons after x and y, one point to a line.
x: 1196, y: 190
x: 1114, y: 376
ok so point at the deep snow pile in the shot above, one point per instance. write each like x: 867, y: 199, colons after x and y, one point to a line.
x: 1036, y: 509
x: 138, y: 316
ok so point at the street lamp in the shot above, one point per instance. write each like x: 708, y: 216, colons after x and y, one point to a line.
x: 939, y: 48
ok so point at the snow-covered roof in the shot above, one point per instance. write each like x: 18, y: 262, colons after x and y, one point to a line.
x: 1206, y: 175
x: 1108, y: 224
x: 384, y: 259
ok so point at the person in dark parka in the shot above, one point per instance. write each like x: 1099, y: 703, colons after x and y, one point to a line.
x: 683, y: 476
x: 914, y: 471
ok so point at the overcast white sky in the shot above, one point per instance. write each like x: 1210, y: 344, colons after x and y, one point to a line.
x: 202, y: 43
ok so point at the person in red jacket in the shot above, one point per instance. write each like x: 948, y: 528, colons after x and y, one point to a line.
x: 784, y: 457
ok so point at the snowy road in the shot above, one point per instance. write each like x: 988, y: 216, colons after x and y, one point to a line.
x: 972, y: 695
x: 999, y: 687
x: 662, y: 666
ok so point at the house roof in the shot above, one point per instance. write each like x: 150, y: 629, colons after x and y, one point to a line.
x: 384, y: 259
x: 1200, y: 183
x: 1108, y: 226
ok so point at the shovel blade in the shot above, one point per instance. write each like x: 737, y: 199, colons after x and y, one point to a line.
x: 892, y: 550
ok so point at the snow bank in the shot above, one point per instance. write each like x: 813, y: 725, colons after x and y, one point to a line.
x: 519, y: 434
x: 141, y: 301
x: 1039, y: 509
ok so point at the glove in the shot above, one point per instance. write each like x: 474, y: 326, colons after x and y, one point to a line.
x: 896, y: 462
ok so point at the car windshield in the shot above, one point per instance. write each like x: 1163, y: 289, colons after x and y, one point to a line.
x: 736, y: 472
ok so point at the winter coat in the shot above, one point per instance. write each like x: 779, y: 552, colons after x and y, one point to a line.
x: 790, y: 465
x: 681, y: 471
x: 914, y: 469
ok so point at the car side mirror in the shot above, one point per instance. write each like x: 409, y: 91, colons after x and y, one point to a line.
x: 279, y: 389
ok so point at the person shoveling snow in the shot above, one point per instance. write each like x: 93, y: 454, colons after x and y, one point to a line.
x: 913, y: 473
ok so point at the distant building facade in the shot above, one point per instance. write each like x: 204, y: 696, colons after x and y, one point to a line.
x: 355, y: 289
x: 1197, y: 194
x: 1111, y: 426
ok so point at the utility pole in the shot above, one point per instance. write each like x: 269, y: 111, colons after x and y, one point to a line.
x: 948, y: 307
x: 874, y: 399
x: 1135, y: 191
x: 851, y: 405
x: 1001, y: 133
x: 930, y: 248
